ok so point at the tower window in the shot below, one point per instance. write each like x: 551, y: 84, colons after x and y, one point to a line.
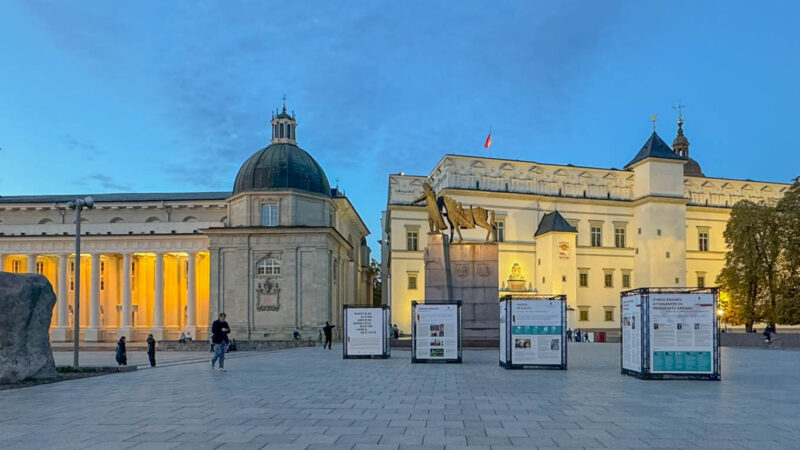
x: 269, y: 215
x: 412, y: 240
x: 281, y: 130
x: 412, y: 281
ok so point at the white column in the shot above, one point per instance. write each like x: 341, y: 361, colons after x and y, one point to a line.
x: 125, y: 328
x: 92, y: 333
x: 32, y: 263
x: 191, y: 297
x: 61, y: 332
x: 158, y: 299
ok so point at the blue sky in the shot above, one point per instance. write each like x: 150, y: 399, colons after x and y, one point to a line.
x: 100, y: 96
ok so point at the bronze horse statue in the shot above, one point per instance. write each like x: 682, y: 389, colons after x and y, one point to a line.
x: 459, y: 218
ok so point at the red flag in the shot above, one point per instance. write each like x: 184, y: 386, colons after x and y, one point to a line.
x: 488, y: 142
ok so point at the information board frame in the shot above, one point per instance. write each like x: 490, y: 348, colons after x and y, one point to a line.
x: 386, y: 347
x: 414, y: 333
x: 647, y: 347
x: 506, y: 359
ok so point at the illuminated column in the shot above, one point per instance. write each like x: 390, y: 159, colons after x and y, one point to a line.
x: 158, y: 299
x: 32, y: 263
x: 61, y: 332
x: 191, y: 297
x: 92, y: 334
x: 125, y: 328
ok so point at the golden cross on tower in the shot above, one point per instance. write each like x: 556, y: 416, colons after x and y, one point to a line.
x: 654, y: 119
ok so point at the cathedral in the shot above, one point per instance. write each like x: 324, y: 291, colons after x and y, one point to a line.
x: 282, y: 251
x: 586, y: 232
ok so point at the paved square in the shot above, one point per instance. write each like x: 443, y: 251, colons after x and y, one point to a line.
x: 311, y: 398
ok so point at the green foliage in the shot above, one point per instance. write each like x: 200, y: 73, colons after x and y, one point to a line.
x: 762, y: 267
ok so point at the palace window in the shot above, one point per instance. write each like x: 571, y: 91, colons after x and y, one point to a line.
x: 626, y: 280
x: 619, y: 237
x: 609, y: 279
x: 608, y: 315
x: 412, y: 240
x: 702, y: 241
x: 16, y: 266
x: 40, y: 267
x: 268, y: 266
x: 583, y: 279
x: 102, y: 276
x: 501, y: 231
x: 269, y: 215
x: 583, y: 314
x: 412, y: 280
x: 596, y: 235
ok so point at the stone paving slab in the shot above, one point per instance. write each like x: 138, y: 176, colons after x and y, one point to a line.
x: 313, y: 399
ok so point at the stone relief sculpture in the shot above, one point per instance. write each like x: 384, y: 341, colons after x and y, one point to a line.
x: 457, y: 216
x: 267, y: 294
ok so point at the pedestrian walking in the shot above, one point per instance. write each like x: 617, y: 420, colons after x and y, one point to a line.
x: 328, y: 330
x: 396, y: 331
x: 578, y: 335
x: 569, y: 335
x: 122, y: 354
x: 219, y: 339
x: 151, y: 349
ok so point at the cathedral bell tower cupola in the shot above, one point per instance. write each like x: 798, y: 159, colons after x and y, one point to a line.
x: 284, y: 127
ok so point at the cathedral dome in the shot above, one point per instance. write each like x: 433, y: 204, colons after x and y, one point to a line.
x: 282, y: 165
x: 692, y: 169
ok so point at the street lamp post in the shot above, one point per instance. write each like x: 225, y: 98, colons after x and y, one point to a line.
x: 78, y: 204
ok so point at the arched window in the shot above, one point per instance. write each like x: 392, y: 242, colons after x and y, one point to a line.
x: 152, y: 219
x: 44, y: 221
x: 268, y: 266
x: 281, y: 130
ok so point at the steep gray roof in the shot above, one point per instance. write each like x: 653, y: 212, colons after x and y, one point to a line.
x: 113, y: 198
x: 554, y: 221
x: 655, y: 147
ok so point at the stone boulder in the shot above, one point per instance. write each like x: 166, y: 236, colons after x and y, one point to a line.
x: 26, y: 307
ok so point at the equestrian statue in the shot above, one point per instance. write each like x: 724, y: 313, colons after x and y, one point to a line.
x: 457, y: 216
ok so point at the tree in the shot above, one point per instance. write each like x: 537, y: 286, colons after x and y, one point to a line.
x: 377, y: 283
x: 741, y: 277
x: 789, y: 215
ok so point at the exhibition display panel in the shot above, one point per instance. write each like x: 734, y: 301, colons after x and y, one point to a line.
x: 367, y: 332
x: 533, y: 332
x: 436, y: 332
x: 670, y: 333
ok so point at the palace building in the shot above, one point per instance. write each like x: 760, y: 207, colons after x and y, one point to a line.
x: 281, y: 252
x: 585, y: 232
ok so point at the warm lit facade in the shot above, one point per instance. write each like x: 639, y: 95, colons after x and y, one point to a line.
x: 277, y: 254
x: 659, y: 222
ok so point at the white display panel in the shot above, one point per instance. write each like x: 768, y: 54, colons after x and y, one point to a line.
x: 632, y: 333
x: 503, y: 305
x: 536, y: 330
x: 436, y: 331
x: 681, y: 333
x: 364, y: 331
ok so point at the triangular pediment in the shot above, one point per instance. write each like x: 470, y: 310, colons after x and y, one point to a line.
x: 506, y: 166
x: 585, y: 175
x: 478, y: 165
x: 707, y: 184
x: 610, y: 177
x: 416, y: 182
x: 767, y: 189
x: 560, y: 173
x: 747, y: 187
x: 535, y: 169
x: 728, y: 186
x: 448, y: 163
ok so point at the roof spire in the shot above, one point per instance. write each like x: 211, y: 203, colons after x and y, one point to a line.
x: 681, y: 144
x: 654, y: 119
x: 284, y: 102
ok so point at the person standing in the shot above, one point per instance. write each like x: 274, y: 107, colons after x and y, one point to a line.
x: 122, y: 354
x: 219, y: 339
x: 151, y: 349
x: 328, y: 330
x: 396, y: 331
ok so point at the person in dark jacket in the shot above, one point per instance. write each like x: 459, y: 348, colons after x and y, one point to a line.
x: 151, y: 349
x: 122, y: 354
x: 328, y: 330
x: 219, y: 338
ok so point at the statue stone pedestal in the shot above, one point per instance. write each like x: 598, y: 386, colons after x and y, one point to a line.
x: 468, y: 272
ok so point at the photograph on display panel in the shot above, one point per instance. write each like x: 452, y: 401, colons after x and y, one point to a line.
x: 533, y: 332
x: 436, y: 332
